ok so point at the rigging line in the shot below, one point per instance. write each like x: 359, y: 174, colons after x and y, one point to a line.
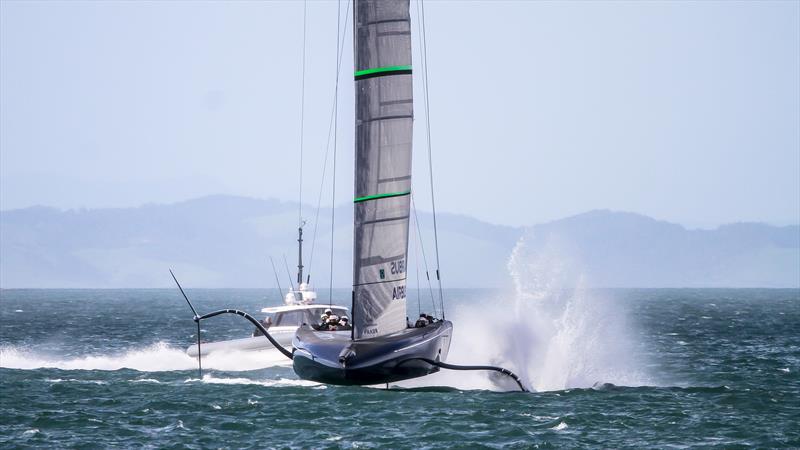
x: 277, y: 281
x: 416, y: 266
x: 327, y: 148
x: 430, y: 157
x: 302, y: 118
x: 335, y: 134
x: 288, y: 273
x: 422, y: 243
x: 424, y: 257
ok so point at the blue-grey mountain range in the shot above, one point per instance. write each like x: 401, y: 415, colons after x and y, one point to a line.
x: 226, y: 241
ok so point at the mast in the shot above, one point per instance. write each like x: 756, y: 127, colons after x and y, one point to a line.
x: 300, y: 253
x: 383, y: 135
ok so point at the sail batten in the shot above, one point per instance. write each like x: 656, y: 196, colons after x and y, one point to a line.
x: 379, y: 196
x: 381, y: 71
x: 384, y: 121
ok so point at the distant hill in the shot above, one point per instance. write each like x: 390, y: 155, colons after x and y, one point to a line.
x: 616, y: 249
x: 225, y: 241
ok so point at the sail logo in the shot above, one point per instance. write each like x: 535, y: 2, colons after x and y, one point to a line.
x: 399, y: 292
x: 398, y: 267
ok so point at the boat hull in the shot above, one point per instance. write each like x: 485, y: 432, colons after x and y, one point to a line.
x: 332, y: 358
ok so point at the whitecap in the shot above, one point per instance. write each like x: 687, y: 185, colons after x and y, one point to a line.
x: 31, y: 432
x: 19, y: 311
x: 561, y: 426
x: 280, y: 382
x: 74, y: 380
x: 785, y: 370
x: 177, y: 426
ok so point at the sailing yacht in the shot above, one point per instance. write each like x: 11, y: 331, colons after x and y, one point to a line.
x: 383, y: 346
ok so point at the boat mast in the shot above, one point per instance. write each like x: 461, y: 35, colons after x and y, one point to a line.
x: 300, y: 253
x: 302, y: 123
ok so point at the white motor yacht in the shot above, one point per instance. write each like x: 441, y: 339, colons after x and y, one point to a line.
x: 281, y: 321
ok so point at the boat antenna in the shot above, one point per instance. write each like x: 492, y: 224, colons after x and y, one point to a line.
x: 197, y: 321
x: 300, y: 253
x: 300, y: 220
x: 288, y: 274
x: 277, y: 281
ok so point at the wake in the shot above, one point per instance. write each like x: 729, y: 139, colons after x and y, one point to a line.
x: 158, y: 357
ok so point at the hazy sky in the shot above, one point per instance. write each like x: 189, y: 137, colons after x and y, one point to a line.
x: 684, y: 111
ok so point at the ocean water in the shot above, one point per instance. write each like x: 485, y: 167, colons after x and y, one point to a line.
x: 610, y: 368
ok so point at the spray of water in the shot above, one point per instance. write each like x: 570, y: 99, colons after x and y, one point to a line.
x: 158, y: 357
x: 550, y: 330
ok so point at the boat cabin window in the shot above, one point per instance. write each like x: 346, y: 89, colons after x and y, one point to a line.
x: 299, y: 317
x: 317, y: 312
x: 289, y: 318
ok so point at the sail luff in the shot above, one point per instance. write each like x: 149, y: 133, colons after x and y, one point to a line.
x: 384, y: 122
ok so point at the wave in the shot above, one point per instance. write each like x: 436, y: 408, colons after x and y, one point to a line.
x: 158, y: 357
x: 280, y: 382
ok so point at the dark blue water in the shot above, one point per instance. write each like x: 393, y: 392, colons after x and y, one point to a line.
x: 622, y: 368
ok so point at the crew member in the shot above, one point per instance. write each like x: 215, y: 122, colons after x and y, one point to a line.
x: 333, y: 322
x: 266, y: 323
x: 323, y: 320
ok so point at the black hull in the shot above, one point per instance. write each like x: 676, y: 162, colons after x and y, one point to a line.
x: 332, y: 358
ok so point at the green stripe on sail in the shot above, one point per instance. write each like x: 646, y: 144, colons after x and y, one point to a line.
x: 381, y: 70
x: 377, y: 196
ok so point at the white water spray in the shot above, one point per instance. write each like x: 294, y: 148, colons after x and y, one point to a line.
x: 159, y: 357
x: 565, y: 335
x: 551, y: 331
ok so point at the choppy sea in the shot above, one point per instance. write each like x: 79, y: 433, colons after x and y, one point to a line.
x: 609, y: 368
